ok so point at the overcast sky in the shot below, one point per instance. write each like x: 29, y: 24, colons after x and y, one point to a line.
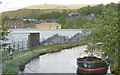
x: 17, y: 4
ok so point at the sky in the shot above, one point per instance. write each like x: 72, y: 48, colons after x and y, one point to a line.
x: 8, y: 5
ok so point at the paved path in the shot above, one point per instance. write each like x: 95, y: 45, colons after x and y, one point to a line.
x: 30, y: 52
x: 7, y: 61
x: 34, y: 51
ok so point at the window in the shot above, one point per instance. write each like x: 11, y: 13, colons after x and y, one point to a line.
x: 57, y: 27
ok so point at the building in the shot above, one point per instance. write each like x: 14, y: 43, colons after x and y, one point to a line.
x: 31, y: 20
x: 46, y: 25
x: 73, y: 13
x: 76, y: 37
x: 19, y: 23
x: 14, y: 22
x: 57, y: 38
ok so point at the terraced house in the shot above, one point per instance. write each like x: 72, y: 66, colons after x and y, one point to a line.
x: 14, y: 22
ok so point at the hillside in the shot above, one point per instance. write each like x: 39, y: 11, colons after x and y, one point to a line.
x: 30, y: 13
x: 50, y: 6
x: 37, y: 10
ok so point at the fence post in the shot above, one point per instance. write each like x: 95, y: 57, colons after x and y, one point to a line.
x: 22, y: 45
x: 13, y: 45
x: 4, y: 48
x: 27, y: 44
x: 18, y: 46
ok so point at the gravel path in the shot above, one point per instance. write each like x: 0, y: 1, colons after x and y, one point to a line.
x: 30, y: 52
x: 7, y: 61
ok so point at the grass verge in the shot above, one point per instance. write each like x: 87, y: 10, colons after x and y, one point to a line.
x: 13, y: 66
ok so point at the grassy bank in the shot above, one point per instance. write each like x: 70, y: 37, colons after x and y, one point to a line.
x: 14, y: 65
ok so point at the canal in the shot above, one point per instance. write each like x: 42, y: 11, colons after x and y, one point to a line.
x: 60, y: 62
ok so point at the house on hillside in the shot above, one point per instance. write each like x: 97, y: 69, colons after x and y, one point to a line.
x: 31, y: 20
x: 19, y: 23
x: 14, y: 22
x: 76, y: 37
x: 57, y: 38
x: 73, y: 13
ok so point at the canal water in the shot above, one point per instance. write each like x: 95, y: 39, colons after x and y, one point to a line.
x: 60, y: 62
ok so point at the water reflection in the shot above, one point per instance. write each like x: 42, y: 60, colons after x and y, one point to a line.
x: 79, y: 73
x: 60, y: 62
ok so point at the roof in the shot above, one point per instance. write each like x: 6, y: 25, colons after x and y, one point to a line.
x: 51, y: 20
x: 72, y: 18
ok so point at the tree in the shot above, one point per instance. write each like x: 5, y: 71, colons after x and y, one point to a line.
x: 3, y: 34
x: 69, y: 24
x: 80, y: 22
x: 105, y: 30
x: 27, y: 21
x: 64, y: 13
x: 62, y: 20
x: 3, y: 29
